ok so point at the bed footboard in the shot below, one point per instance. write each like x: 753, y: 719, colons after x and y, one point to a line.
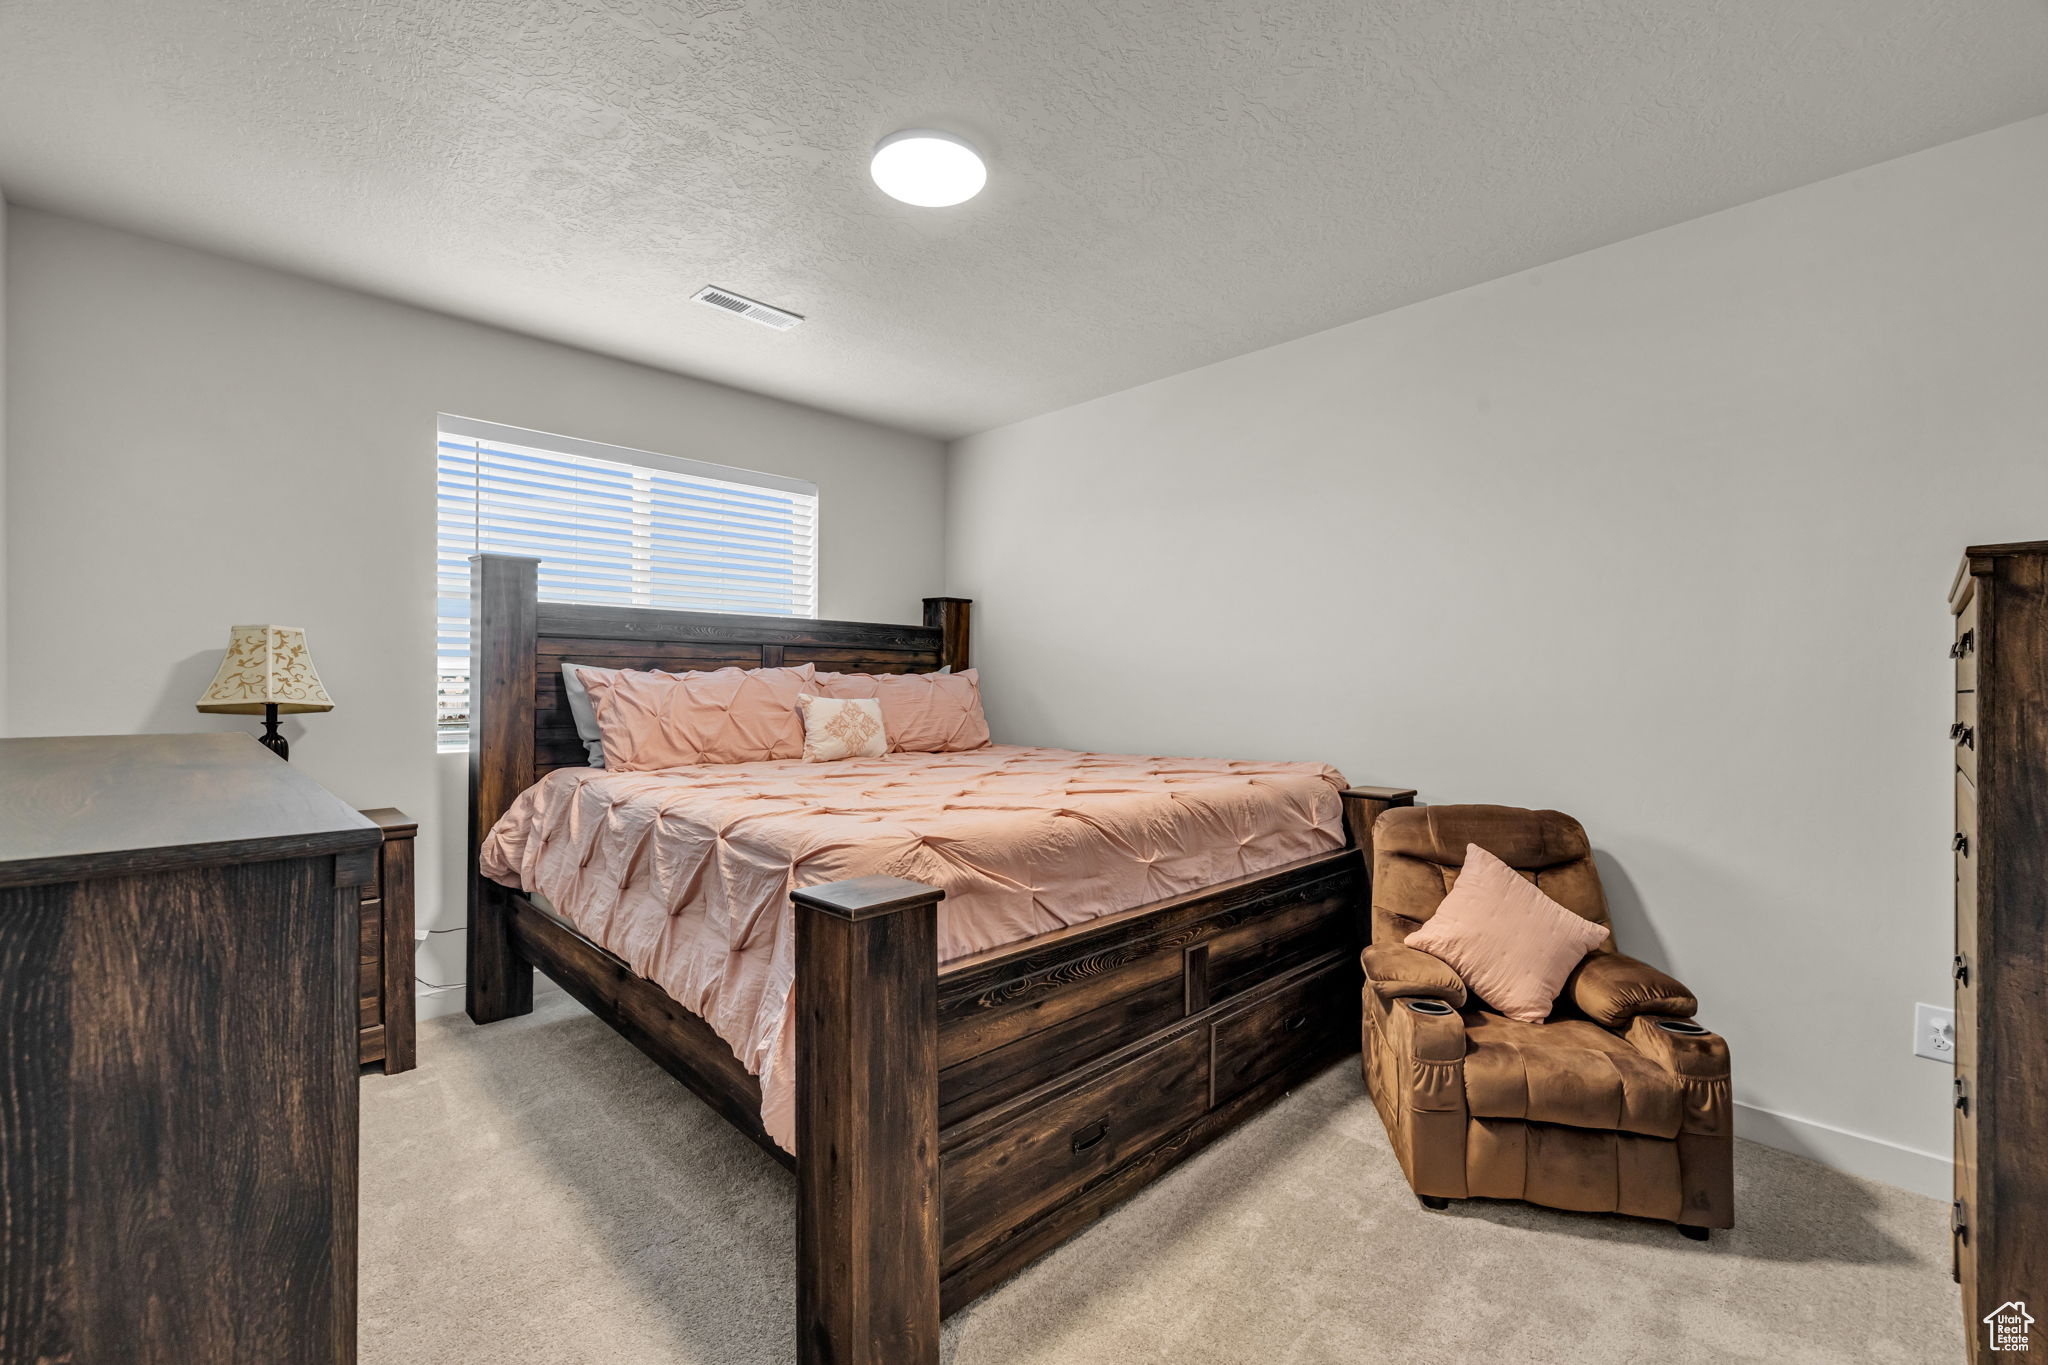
x: 867, y: 1122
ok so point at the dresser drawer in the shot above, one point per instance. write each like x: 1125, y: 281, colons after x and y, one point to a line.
x: 370, y: 965
x: 1032, y: 1156
x: 1966, y: 851
x: 1960, y: 1262
x: 1964, y: 650
x: 1966, y: 964
x: 1306, y: 1015
x: 384, y: 990
x: 1963, y: 735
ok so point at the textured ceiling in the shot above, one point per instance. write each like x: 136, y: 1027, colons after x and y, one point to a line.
x: 1172, y: 182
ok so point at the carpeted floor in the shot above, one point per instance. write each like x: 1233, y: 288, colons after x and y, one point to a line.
x: 538, y: 1192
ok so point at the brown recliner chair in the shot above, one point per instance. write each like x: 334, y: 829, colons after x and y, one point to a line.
x: 1618, y: 1103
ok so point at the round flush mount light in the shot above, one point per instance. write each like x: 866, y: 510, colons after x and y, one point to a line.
x: 929, y: 169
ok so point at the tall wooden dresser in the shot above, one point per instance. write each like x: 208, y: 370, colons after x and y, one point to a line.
x: 178, y: 1044
x: 2000, y: 1218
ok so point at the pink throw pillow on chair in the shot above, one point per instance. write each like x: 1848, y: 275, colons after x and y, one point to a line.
x: 1513, y: 945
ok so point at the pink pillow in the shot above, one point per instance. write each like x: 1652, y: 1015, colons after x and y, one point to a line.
x: 924, y: 713
x: 1513, y: 945
x: 729, y: 715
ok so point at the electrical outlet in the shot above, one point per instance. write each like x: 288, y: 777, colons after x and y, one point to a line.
x: 1934, y: 1033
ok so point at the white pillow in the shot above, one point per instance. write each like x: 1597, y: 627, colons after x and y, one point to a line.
x: 583, y: 713
x: 841, y: 727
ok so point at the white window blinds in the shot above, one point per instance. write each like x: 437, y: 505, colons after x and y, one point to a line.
x: 614, y: 526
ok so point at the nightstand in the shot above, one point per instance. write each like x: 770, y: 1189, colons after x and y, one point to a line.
x: 385, y: 1004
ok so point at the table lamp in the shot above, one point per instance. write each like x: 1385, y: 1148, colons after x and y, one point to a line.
x: 266, y: 671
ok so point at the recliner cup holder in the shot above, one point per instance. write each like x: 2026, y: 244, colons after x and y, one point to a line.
x: 1682, y: 1026
x: 1422, y: 1006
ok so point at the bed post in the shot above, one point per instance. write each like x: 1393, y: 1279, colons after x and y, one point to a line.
x: 1365, y: 805
x: 867, y: 1123
x: 503, y: 592
x: 948, y: 615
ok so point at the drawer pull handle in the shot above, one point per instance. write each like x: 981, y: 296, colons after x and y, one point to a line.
x: 1297, y: 1023
x: 1089, y: 1134
x: 1962, y: 1095
x: 1961, y: 844
x: 1965, y: 642
x: 1961, y: 971
x: 1957, y: 1224
x: 1963, y: 735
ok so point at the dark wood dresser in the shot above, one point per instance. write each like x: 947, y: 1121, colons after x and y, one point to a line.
x: 2000, y: 1219
x: 178, y: 1074
x: 386, y: 1007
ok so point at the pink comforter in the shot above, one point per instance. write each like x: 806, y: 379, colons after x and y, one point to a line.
x: 686, y: 873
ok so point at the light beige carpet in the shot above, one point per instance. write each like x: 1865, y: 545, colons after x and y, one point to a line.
x: 540, y: 1192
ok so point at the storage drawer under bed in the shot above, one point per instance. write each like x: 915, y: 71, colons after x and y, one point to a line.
x: 1005, y: 1035
x: 1033, y: 1153
x: 1309, y: 1014
x: 1005, y: 1167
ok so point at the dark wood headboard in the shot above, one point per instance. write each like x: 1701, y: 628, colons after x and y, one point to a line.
x: 519, y: 723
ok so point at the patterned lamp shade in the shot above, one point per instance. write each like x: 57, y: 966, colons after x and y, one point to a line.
x: 266, y: 666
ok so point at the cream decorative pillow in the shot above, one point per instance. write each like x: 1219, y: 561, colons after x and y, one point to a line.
x: 836, y: 728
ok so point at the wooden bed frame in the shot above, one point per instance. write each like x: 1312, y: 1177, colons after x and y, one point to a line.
x: 956, y: 1121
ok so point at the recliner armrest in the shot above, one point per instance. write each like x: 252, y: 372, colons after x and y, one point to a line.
x: 1394, y: 971
x: 1681, y: 1046
x: 1611, y: 989
x: 1699, y: 1058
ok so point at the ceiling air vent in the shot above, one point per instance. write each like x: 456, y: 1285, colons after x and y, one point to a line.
x: 753, y: 310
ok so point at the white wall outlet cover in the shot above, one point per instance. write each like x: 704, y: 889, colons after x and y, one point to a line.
x: 1934, y: 1033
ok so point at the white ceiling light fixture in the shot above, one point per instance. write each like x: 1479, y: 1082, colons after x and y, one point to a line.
x: 930, y: 169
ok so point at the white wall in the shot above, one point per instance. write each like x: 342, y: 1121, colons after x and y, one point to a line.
x: 1658, y: 535
x: 196, y: 442
x: 3, y: 463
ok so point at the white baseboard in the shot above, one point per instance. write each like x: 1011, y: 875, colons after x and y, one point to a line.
x: 1909, y: 1168
x: 434, y: 1001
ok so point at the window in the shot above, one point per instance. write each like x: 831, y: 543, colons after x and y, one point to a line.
x: 615, y: 526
